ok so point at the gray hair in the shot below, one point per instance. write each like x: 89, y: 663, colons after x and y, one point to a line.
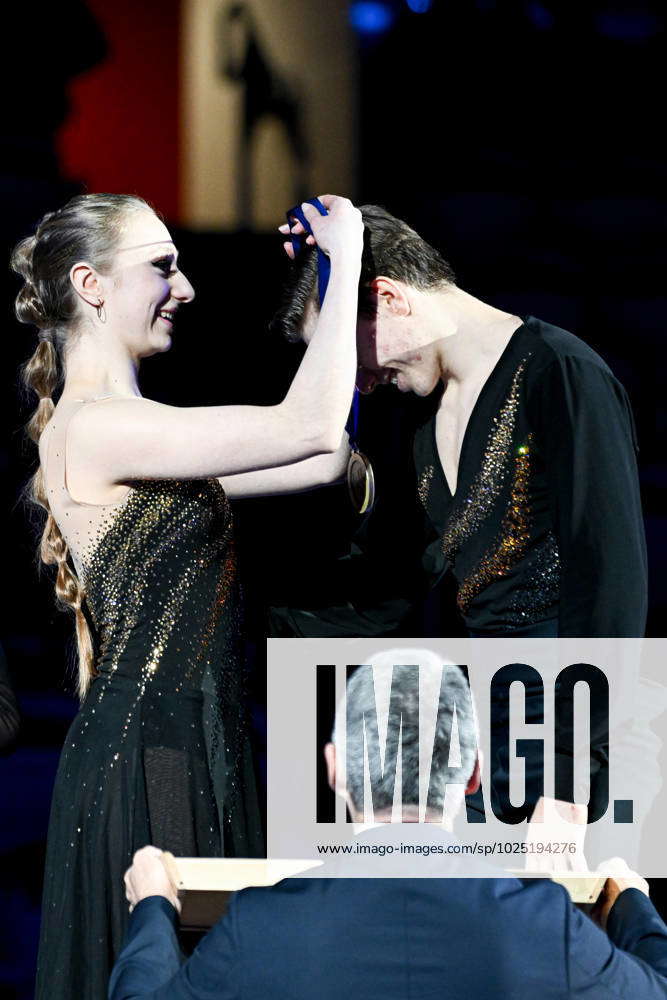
x: 444, y: 684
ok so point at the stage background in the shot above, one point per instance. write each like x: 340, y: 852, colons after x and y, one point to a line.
x: 522, y: 138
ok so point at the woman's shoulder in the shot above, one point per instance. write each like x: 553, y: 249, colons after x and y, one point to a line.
x: 113, y: 413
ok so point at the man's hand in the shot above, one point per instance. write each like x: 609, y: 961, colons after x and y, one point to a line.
x: 622, y: 878
x: 147, y: 876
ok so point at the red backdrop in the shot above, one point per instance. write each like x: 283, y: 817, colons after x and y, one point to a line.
x: 122, y: 133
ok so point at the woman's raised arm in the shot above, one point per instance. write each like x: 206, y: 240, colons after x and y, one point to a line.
x: 124, y: 439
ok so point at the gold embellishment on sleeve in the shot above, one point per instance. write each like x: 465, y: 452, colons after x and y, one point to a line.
x: 489, y: 481
x: 424, y: 484
x: 514, y: 535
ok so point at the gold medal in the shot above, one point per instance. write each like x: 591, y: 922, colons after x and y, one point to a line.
x: 360, y: 482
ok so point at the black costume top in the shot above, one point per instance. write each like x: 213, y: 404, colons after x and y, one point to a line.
x: 545, y: 524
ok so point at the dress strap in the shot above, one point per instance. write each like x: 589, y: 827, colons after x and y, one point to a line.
x: 61, y: 426
x: 59, y: 432
x: 94, y: 399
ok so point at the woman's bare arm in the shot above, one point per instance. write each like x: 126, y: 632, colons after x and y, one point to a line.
x: 311, y: 473
x: 121, y: 439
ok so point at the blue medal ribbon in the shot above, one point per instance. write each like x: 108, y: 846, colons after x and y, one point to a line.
x: 323, y: 274
x: 352, y: 424
x: 323, y: 262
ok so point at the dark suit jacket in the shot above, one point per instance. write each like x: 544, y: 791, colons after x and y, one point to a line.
x: 339, y: 939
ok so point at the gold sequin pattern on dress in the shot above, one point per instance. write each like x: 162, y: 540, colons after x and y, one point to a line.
x: 424, y: 485
x: 514, y: 534
x: 162, y: 566
x: 469, y: 515
x: 104, y: 576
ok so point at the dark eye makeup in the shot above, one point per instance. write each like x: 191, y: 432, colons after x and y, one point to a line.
x: 164, y: 264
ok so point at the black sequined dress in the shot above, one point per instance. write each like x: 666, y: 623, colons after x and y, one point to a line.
x: 159, y: 751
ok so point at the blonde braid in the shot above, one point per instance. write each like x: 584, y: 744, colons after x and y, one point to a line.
x: 88, y: 228
x: 40, y: 374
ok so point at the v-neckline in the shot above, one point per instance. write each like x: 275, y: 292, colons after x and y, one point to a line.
x: 482, y: 392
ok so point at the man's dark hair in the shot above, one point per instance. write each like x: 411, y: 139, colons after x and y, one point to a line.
x: 391, y: 248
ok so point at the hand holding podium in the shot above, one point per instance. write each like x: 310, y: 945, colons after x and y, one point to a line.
x: 557, y: 822
x: 205, y: 885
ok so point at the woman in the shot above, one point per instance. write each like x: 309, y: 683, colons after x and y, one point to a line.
x: 139, y: 527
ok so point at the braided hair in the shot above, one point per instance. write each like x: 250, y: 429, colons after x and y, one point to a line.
x: 86, y: 228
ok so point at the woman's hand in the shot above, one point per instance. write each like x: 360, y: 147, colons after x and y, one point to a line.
x: 339, y: 232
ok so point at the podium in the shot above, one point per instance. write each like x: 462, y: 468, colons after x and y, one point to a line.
x: 583, y: 889
x: 205, y: 885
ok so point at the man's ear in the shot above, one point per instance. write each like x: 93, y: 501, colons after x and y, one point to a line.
x: 475, y: 779
x: 330, y: 758
x: 391, y: 294
x: 86, y: 283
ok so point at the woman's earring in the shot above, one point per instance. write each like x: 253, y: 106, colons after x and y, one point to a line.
x: 101, y: 312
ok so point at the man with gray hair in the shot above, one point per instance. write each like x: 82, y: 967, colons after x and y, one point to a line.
x: 425, y: 744
x: 396, y: 938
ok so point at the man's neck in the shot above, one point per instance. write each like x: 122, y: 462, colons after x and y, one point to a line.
x: 474, y: 336
x: 409, y: 814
